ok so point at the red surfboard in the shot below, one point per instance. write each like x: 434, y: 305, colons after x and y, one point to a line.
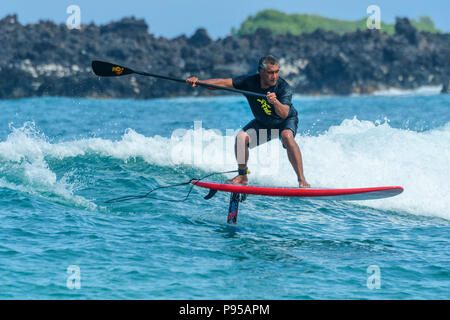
x: 316, y: 193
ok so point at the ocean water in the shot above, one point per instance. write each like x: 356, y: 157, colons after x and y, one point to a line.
x: 62, y: 158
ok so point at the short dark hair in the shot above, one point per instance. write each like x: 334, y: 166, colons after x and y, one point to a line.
x: 264, y: 61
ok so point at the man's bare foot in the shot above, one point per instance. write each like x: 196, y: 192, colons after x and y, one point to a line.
x: 304, y: 184
x: 240, y: 179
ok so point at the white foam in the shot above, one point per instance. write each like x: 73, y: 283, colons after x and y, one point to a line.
x: 23, y: 160
x: 421, y: 91
x: 353, y: 154
x: 360, y: 153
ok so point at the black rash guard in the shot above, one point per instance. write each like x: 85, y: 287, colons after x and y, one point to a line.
x: 263, y: 111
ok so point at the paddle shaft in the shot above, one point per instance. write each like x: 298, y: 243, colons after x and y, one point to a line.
x: 202, y: 84
x: 107, y: 69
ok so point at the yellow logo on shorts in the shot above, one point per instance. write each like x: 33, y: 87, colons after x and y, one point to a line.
x: 265, y: 106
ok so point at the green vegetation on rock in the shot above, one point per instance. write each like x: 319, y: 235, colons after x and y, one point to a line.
x: 296, y: 24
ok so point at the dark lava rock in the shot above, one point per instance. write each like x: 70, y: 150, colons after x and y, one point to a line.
x: 47, y: 59
x: 200, y: 38
x: 404, y: 28
x: 445, y: 88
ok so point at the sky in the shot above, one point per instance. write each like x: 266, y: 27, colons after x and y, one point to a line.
x: 171, y: 18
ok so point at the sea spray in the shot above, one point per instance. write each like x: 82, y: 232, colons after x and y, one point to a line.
x: 355, y: 153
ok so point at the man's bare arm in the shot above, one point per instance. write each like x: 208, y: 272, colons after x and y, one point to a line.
x: 228, y: 83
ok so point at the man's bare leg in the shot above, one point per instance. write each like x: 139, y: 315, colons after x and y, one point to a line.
x: 241, y: 151
x: 295, y: 156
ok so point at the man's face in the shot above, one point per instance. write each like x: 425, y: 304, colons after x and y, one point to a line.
x: 269, y: 77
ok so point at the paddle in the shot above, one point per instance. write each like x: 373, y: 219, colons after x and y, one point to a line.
x: 106, y: 69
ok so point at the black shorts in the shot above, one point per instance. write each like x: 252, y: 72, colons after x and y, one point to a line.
x: 260, y: 133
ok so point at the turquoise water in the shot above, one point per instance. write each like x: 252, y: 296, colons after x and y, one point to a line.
x: 61, y: 158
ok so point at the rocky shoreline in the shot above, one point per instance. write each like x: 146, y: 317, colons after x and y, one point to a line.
x: 47, y: 59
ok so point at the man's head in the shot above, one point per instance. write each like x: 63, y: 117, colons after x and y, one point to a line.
x: 269, y: 71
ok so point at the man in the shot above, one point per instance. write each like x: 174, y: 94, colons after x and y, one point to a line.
x: 275, y: 113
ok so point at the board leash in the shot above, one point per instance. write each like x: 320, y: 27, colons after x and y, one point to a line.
x: 147, y: 195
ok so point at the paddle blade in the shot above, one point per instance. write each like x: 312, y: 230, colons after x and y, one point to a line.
x: 106, y: 69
